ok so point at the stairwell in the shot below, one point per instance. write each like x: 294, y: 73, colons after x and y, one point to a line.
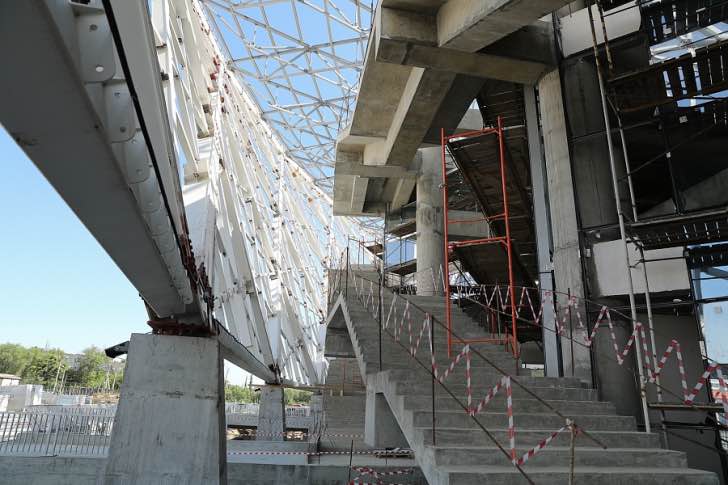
x: 461, y: 453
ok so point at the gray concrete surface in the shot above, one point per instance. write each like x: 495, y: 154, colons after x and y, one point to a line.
x: 271, y: 414
x: 88, y: 471
x: 429, y: 223
x: 171, y: 406
x: 464, y: 454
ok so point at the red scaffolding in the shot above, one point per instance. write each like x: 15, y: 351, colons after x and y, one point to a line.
x: 504, y: 240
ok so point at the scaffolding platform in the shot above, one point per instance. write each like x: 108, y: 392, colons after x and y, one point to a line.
x: 682, y: 230
x: 477, y: 159
x: 684, y: 77
x: 664, y: 21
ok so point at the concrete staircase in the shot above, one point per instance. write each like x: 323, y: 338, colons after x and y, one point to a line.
x: 462, y: 453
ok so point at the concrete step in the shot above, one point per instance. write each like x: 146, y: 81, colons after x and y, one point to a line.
x: 597, y: 475
x: 488, y: 376
x: 399, y: 357
x: 558, y: 456
x: 422, y: 388
x: 446, y: 402
x: 497, y: 418
x: 469, y: 436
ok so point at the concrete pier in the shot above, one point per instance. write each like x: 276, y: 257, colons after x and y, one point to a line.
x: 171, y: 406
x: 429, y: 220
x: 271, y: 414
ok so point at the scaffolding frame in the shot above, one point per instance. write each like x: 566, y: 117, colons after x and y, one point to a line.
x: 504, y: 240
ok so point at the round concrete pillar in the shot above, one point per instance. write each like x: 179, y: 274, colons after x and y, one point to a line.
x: 429, y: 220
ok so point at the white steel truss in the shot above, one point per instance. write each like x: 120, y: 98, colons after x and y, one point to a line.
x: 302, y: 60
x: 260, y: 226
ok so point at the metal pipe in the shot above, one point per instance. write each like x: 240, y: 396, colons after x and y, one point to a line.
x: 446, y: 268
x: 620, y: 217
x: 432, y: 357
x: 508, y: 242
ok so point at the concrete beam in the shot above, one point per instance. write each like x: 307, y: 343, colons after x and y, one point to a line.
x: 470, y: 25
x: 426, y: 90
x: 374, y: 171
x: 409, y: 38
x: 375, y: 107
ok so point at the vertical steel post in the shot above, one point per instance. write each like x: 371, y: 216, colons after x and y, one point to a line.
x: 382, y: 282
x: 446, y: 269
x: 571, y: 330
x: 432, y: 371
x: 620, y: 217
x: 509, y: 245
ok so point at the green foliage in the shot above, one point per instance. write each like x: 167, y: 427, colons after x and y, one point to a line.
x: 240, y: 394
x: 14, y: 359
x: 48, y: 366
x: 296, y: 396
x: 93, y: 366
x: 44, y: 367
x: 34, y: 365
x: 243, y: 394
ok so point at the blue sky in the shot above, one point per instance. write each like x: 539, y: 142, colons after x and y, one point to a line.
x: 58, y: 287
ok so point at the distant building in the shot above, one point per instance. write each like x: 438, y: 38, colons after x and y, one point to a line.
x: 9, y: 380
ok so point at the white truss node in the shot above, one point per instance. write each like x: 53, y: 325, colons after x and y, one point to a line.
x: 302, y: 60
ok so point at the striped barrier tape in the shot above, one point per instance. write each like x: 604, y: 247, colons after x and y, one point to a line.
x: 358, y: 481
x: 401, y: 451
x: 377, y: 475
x: 652, y: 366
x: 310, y: 435
x: 505, y: 382
x: 465, y: 354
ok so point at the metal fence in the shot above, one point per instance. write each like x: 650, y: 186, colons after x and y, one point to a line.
x: 252, y: 408
x: 46, y: 431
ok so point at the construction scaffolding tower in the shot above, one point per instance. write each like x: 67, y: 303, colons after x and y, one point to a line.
x: 501, y: 240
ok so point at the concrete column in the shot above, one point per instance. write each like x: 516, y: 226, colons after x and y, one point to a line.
x: 170, y: 423
x: 429, y: 220
x: 543, y: 229
x: 271, y: 414
x: 565, y: 231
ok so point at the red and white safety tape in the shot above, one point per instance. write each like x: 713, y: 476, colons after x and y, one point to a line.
x: 377, y: 475
x: 653, y: 369
x: 317, y: 453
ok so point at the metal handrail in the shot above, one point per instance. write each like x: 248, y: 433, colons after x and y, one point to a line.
x: 572, y: 426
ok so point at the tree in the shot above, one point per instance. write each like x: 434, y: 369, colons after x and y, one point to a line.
x: 240, y: 394
x: 14, y: 359
x: 93, y: 367
x: 297, y: 396
x: 44, y: 367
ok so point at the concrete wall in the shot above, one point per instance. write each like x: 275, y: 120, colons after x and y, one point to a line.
x: 22, y: 395
x: 86, y: 471
x: 685, y: 330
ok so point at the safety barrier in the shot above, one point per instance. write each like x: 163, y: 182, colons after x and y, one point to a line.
x: 78, y: 432
x: 532, y: 314
x: 397, y: 323
x: 377, y: 475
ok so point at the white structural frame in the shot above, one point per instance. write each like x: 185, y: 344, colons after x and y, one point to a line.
x: 317, y: 79
x: 262, y: 225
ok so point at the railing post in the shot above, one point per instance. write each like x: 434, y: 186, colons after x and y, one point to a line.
x: 432, y: 370
x: 348, y: 263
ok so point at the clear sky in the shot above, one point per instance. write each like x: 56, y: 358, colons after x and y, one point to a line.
x: 57, y: 286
